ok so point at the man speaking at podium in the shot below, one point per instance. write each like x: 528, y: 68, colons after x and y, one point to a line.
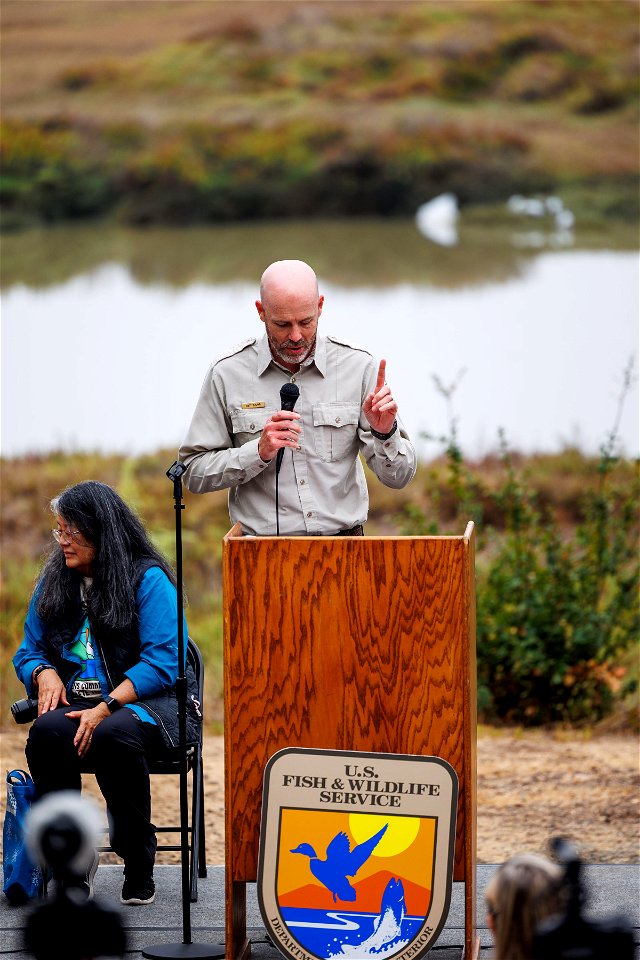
x: 241, y: 437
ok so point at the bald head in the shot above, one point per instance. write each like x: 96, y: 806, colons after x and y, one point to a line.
x: 287, y: 278
x: 290, y: 306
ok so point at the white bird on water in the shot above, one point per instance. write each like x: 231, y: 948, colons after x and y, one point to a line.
x: 537, y: 207
x: 437, y: 220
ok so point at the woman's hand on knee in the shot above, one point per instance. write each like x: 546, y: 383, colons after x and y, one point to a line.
x: 51, y: 691
x: 88, y: 721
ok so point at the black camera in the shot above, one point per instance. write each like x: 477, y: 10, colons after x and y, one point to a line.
x: 572, y: 934
x: 24, y: 711
x: 62, y: 831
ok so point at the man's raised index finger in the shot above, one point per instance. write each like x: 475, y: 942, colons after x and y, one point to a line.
x: 381, y: 375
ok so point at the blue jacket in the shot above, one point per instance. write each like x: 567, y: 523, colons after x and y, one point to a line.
x: 145, y: 651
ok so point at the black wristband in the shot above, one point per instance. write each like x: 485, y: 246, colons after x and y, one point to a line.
x: 112, y: 704
x: 384, y: 436
x: 38, y: 670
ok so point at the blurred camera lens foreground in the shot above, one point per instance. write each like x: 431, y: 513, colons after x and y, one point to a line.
x: 62, y: 832
x: 573, y: 935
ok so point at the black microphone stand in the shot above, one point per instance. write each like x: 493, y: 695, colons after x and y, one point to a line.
x: 175, y: 951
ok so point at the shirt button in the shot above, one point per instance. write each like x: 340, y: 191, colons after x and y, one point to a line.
x: 302, y: 483
x: 309, y: 515
x: 252, y: 426
x: 386, y: 444
x: 337, y: 419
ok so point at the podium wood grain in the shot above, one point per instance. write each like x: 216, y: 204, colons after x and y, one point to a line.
x: 341, y: 643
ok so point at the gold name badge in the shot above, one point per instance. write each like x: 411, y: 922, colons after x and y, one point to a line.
x: 253, y: 406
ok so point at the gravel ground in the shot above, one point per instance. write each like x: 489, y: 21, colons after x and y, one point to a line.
x: 532, y: 785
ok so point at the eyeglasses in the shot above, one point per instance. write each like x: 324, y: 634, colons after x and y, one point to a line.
x: 67, y: 535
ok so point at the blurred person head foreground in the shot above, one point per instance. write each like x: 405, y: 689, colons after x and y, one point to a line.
x: 523, y: 891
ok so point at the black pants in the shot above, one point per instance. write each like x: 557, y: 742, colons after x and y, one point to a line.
x: 118, y: 756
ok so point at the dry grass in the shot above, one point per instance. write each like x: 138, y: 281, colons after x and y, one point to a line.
x: 29, y: 483
x: 181, y: 112
x: 531, y: 786
x: 158, y: 62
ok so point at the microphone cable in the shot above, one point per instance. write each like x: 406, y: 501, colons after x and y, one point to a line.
x: 289, y: 393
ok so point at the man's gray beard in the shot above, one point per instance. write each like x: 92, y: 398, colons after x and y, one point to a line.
x: 280, y: 353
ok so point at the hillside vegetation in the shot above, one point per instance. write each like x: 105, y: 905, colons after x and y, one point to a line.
x: 215, y: 111
x: 557, y: 566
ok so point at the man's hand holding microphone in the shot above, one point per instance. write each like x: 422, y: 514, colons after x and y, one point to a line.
x: 283, y: 429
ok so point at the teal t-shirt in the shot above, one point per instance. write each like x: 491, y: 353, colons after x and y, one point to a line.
x: 92, y: 685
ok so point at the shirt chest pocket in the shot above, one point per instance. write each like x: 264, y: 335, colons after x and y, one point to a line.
x: 335, y: 427
x: 248, y: 424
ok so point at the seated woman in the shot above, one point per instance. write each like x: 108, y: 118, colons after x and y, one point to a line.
x: 523, y: 891
x: 100, y: 652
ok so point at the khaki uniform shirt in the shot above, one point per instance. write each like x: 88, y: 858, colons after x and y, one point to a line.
x: 322, y: 487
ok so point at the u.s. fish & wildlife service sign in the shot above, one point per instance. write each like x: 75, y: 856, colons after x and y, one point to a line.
x: 356, y: 853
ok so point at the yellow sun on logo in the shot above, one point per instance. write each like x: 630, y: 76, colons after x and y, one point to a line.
x: 399, y: 835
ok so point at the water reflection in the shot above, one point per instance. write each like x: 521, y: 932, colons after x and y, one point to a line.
x: 543, y: 334
x: 369, y: 253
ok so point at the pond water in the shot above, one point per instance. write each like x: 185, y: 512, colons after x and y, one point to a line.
x: 107, y: 332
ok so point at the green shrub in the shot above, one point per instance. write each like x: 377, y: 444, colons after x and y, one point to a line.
x: 554, y: 614
x: 557, y: 611
x: 49, y: 172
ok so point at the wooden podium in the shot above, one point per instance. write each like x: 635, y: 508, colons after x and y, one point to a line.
x: 345, y: 643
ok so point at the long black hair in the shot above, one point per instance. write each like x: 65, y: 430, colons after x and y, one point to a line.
x: 119, y: 538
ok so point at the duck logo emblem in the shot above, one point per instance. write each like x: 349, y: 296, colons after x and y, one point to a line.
x: 356, y: 853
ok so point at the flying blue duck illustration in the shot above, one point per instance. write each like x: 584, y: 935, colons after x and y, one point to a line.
x: 341, y: 862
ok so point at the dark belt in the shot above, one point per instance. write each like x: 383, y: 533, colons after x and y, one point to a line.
x: 357, y: 531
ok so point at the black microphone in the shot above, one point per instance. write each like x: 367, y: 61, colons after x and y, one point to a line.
x: 289, y: 393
